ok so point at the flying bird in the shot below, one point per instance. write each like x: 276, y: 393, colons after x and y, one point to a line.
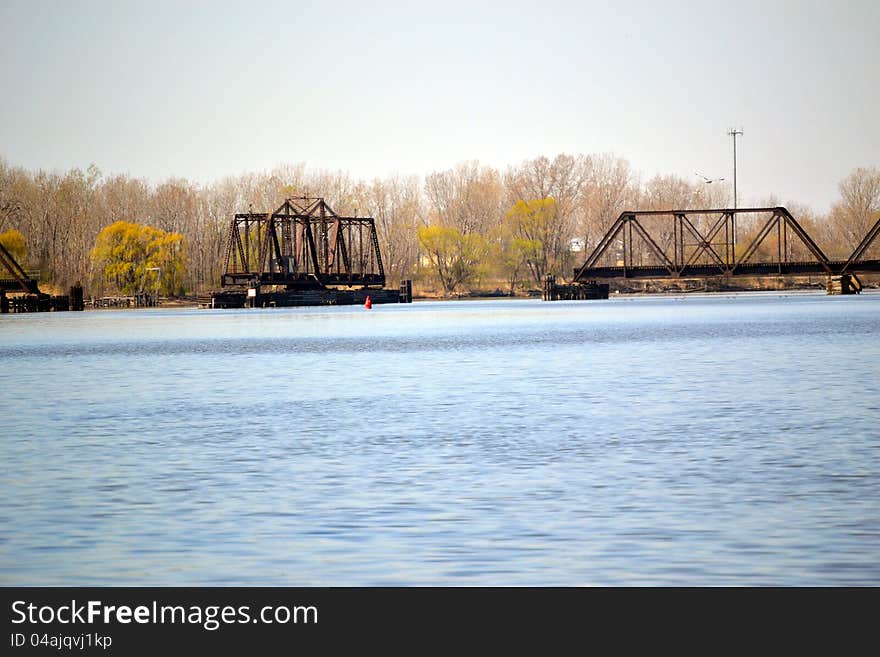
x: 708, y: 180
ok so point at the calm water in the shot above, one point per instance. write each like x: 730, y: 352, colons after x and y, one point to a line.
x: 692, y: 440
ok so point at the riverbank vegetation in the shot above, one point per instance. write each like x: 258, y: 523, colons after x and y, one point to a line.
x: 471, y: 227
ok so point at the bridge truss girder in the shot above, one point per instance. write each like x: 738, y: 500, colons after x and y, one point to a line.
x: 713, y: 250
x: 301, y: 245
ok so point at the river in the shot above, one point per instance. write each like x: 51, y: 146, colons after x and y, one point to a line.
x: 689, y: 440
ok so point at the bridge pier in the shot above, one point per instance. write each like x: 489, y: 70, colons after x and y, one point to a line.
x: 843, y: 284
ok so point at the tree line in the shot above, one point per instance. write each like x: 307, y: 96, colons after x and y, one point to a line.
x: 470, y: 226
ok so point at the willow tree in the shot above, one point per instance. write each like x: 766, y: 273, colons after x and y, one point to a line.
x: 534, y: 224
x: 510, y: 254
x: 135, y: 258
x: 457, y: 258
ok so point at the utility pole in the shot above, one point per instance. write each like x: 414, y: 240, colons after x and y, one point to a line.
x: 733, y: 132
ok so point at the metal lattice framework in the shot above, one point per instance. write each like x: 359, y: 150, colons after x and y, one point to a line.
x: 302, y: 245
x: 703, y: 243
x: 20, y: 281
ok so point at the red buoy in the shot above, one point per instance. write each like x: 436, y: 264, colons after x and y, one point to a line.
x: 368, y: 304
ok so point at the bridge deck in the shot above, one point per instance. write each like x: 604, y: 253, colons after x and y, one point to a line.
x: 29, y: 285
x: 749, y: 269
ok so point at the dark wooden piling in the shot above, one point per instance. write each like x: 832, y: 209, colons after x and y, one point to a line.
x: 406, y: 291
x: 552, y: 291
x: 76, y: 297
x: 843, y: 284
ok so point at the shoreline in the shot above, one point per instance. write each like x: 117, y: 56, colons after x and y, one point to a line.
x: 616, y: 295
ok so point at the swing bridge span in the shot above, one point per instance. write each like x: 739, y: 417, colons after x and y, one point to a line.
x: 303, y: 254
x: 303, y: 244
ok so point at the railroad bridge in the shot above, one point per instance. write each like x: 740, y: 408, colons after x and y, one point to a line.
x: 305, y: 254
x: 301, y: 245
x: 658, y: 244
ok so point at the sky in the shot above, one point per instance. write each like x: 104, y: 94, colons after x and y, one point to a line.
x: 204, y: 90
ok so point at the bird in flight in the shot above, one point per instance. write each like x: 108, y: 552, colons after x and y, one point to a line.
x: 708, y: 180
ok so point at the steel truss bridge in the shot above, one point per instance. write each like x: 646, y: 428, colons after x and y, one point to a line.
x: 703, y: 243
x: 302, y: 245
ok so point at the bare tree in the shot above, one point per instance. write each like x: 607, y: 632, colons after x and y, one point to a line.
x: 396, y: 205
x: 467, y: 197
x: 611, y: 188
x: 859, y: 206
x: 13, y: 182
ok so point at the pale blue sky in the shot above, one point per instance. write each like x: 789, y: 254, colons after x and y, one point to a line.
x: 208, y: 89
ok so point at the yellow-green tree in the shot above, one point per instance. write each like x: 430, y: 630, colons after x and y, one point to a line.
x: 135, y: 257
x: 532, y: 223
x: 15, y: 243
x: 456, y: 257
x: 511, y: 253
